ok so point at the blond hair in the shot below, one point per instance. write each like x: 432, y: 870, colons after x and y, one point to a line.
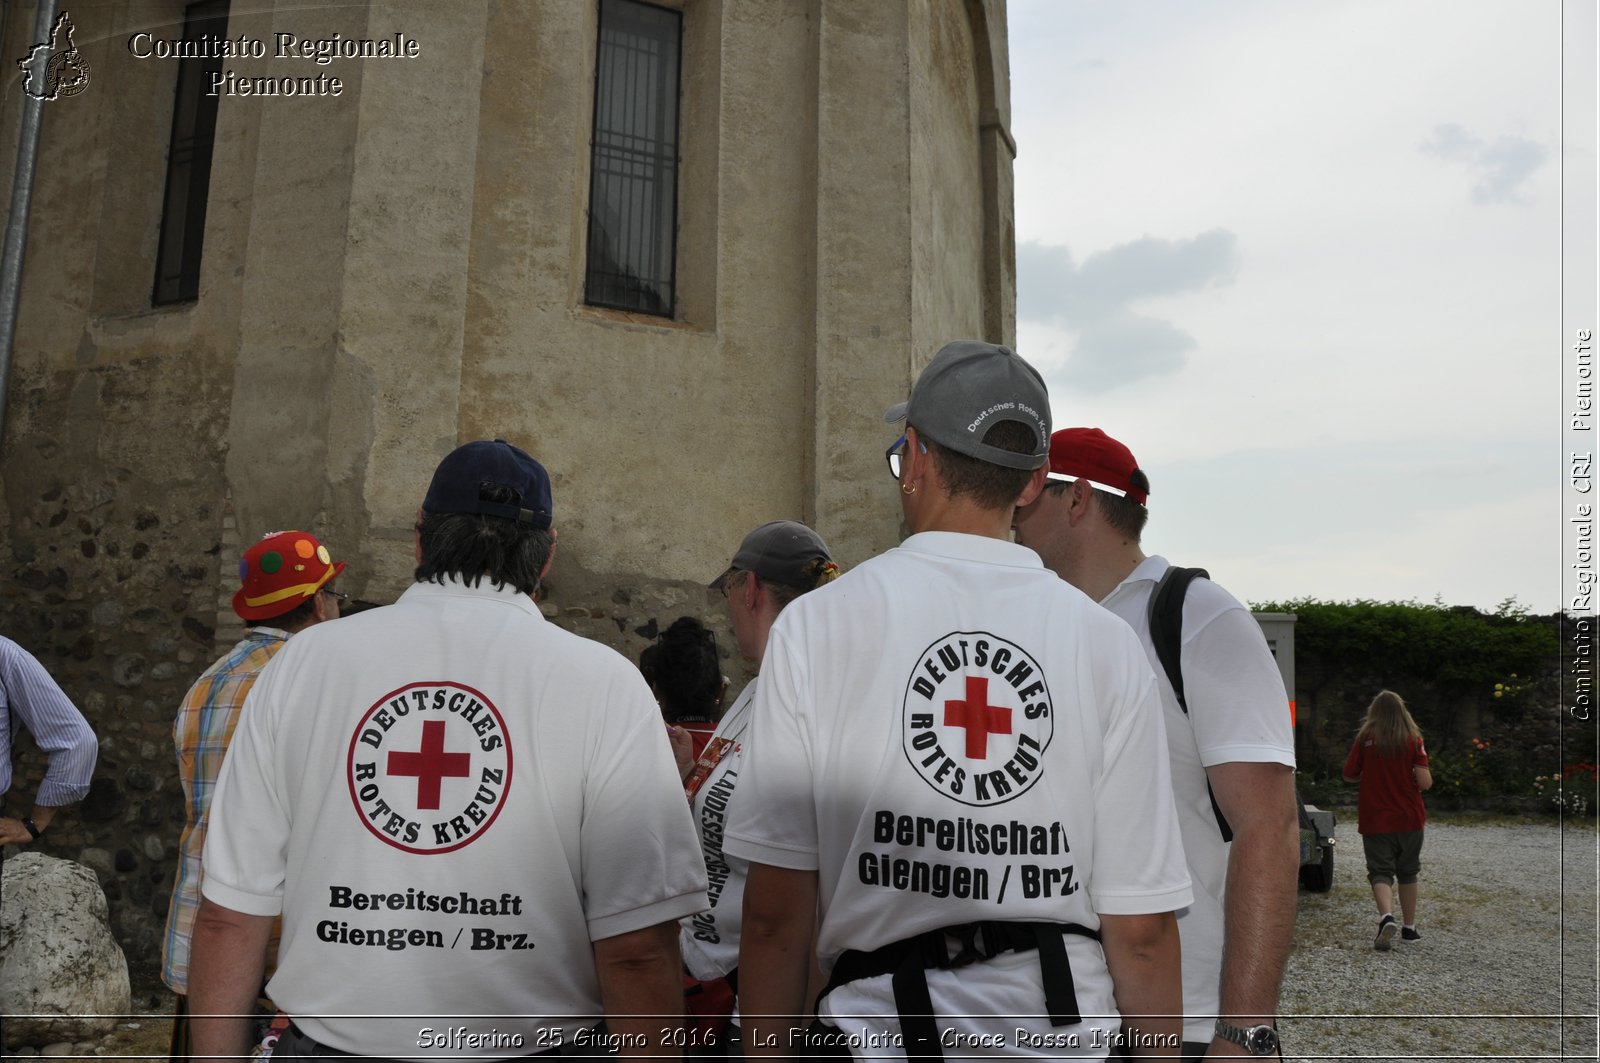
x: 819, y: 571
x: 1389, y: 724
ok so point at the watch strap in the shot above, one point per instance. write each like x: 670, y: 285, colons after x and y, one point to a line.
x: 1244, y: 1037
x: 33, y: 828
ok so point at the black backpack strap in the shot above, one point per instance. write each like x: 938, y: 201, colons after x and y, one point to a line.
x: 1166, y: 624
x: 1166, y: 634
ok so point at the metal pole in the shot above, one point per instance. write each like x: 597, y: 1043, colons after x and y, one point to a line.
x: 17, y: 225
x: 5, y: 20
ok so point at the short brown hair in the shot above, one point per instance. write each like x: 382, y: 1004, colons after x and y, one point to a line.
x: 991, y: 486
x: 1124, y: 514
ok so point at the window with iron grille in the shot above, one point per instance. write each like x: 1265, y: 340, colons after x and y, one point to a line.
x: 633, y: 166
x: 194, y: 124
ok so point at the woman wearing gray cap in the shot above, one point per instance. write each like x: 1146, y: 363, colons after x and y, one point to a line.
x: 774, y: 565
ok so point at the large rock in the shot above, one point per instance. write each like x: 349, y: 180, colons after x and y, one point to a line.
x: 63, y: 977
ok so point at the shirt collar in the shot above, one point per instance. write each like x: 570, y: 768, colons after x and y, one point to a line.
x: 1150, y: 570
x: 963, y: 547
x: 452, y: 587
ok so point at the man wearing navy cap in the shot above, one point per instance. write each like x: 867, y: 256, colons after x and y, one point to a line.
x: 1232, y: 748
x: 468, y: 817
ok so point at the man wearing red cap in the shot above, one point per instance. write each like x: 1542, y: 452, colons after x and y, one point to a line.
x: 1232, y: 752
x: 285, y: 586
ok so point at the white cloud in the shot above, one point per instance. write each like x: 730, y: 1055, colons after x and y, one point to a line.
x: 1117, y: 345
x: 1383, y: 177
x: 1501, y: 166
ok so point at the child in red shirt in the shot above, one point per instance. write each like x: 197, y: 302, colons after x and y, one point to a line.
x: 1390, y: 762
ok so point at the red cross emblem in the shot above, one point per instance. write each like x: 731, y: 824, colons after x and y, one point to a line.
x: 431, y: 764
x: 975, y: 714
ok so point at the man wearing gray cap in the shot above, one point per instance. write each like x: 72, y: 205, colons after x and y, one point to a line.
x: 468, y: 818
x: 958, y: 762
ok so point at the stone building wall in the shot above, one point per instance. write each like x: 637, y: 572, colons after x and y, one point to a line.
x: 399, y: 269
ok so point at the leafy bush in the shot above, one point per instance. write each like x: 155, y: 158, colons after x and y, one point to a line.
x: 1484, y: 687
x: 1569, y: 791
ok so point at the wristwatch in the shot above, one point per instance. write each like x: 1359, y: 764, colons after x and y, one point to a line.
x: 27, y: 823
x: 1257, y: 1040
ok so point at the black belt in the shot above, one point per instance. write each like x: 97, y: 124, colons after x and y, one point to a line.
x: 910, y: 959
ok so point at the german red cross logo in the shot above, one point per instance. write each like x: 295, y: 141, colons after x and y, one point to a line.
x: 430, y: 764
x: 977, y: 718
x: 429, y: 767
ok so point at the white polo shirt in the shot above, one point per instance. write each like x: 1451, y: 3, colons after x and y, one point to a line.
x: 1238, y: 711
x: 949, y: 733
x: 449, y: 799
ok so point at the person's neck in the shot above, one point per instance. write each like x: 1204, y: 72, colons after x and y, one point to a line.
x: 962, y: 516
x: 1101, y: 572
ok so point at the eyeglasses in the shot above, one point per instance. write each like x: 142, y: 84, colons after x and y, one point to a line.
x: 338, y: 596
x: 893, y: 454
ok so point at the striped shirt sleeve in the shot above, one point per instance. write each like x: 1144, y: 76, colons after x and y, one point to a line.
x: 30, y: 697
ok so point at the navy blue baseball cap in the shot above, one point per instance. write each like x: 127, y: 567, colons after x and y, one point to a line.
x: 460, y: 480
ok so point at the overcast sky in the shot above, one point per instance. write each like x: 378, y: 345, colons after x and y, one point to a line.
x: 1303, y: 258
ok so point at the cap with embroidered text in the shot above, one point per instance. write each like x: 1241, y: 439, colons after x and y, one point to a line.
x: 967, y: 388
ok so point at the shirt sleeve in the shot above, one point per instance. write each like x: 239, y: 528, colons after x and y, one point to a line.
x: 773, y: 820
x: 1237, y: 705
x: 1419, y: 755
x: 1352, y: 763
x: 642, y: 863
x: 58, y: 728
x: 1139, y: 866
x: 247, y: 842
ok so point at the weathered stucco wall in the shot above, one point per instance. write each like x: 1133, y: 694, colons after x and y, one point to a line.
x: 111, y: 465
x: 399, y: 269
x: 947, y: 204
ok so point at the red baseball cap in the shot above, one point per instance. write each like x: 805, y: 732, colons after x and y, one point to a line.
x: 1090, y: 454
x: 280, y: 572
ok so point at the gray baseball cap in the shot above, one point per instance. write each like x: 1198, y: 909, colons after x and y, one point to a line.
x: 780, y: 551
x: 967, y: 388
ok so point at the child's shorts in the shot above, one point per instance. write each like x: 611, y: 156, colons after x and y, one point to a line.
x: 1393, y: 856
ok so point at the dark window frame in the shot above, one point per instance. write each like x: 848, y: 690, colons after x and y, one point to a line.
x: 188, y: 184
x: 633, y: 173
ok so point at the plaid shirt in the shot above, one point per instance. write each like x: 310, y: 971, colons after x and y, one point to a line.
x: 201, y: 733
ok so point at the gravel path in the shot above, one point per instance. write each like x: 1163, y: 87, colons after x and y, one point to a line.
x: 1506, y: 968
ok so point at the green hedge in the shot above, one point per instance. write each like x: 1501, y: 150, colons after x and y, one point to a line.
x: 1484, y: 687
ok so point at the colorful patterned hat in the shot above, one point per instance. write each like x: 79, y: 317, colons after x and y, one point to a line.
x: 281, y: 572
